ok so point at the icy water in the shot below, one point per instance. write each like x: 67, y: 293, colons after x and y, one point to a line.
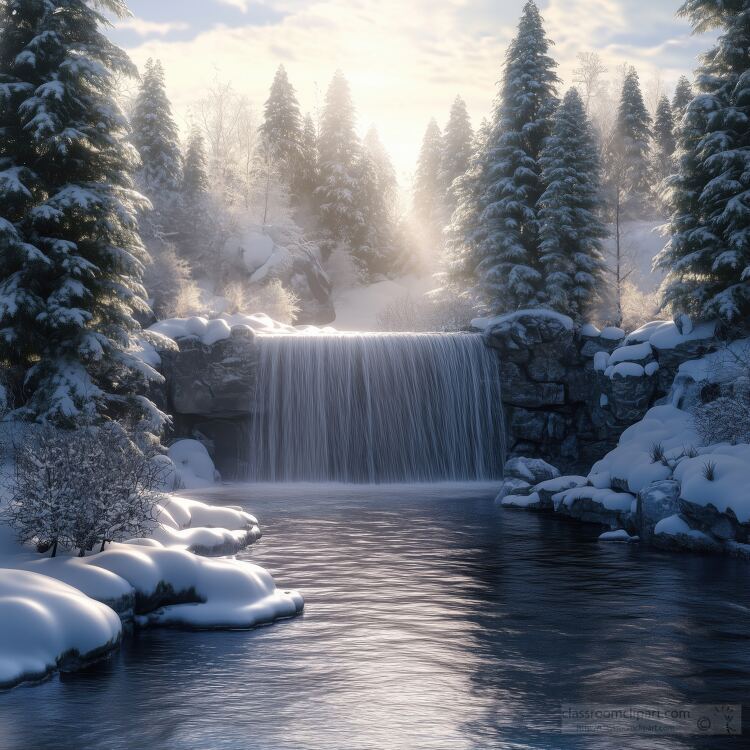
x: 433, y: 620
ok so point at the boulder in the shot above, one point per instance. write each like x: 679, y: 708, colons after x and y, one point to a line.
x: 675, y: 533
x: 537, y: 426
x: 513, y: 486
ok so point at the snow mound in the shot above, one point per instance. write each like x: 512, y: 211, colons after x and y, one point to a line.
x: 728, y: 489
x: 607, y: 498
x: 663, y: 334
x: 617, y: 536
x: 632, y: 464
x: 207, y: 530
x: 520, y: 501
x: 210, y: 332
x: 195, y: 468
x: 47, y: 625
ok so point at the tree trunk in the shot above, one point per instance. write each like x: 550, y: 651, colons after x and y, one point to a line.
x: 54, y: 548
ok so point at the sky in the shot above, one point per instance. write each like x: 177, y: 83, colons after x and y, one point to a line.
x: 406, y: 60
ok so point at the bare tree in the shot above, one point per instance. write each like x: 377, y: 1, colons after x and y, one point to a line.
x: 589, y: 77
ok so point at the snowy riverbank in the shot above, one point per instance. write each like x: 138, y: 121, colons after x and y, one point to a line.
x: 62, y: 613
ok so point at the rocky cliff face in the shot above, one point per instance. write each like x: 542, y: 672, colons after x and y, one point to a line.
x: 210, y: 393
x: 569, y: 392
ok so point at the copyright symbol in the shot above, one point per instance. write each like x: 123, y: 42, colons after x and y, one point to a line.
x: 704, y: 724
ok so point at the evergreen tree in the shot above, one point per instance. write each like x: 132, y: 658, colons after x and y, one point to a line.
x: 429, y: 205
x: 571, y: 230
x: 308, y: 165
x: 338, y: 151
x: 70, y: 253
x: 374, y: 241
x: 282, y: 128
x: 683, y: 95
x: 664, y: 145
x: 457, y: 150
x: 631, y: 146
x: 194, y: 197
x: 708, y: 256
x: 504, y: 256
x: 385, y: 171
x: 155, y: 135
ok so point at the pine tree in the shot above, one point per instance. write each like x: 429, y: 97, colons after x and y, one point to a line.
x: 571, y: 230
x: 683, y: 95
x: 194, y: 199
x: 387, y: 181
x: 664, y: 145
x: 429, y: 204
x: 156, y: 137
x: 708, y: 256
x: 338, y: 151
x: 70, y: 253
x: 308, y: 166
x: 630, y: 147
x: 282, y: 128
x: 457, y: 151
x: 505, y: 255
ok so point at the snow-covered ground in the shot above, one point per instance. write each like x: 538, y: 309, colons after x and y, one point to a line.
x: 60, y: 613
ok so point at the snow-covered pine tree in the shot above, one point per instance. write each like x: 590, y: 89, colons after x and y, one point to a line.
x: 457, y: 151
x: 571, y: 230
x: 506, y: 260
x: 683, y: 95
x: 708, y: 256
x: 308, y: 166
x: 385, y: 171
x: 71, y: 258
x: 156, y: 137
x: 429, y: 197
x: 465, y: 231
x: 662, y: 159
x: 282, y: 129
x: 338, y: 151
x: 631, y: 146
x: 374, y: 242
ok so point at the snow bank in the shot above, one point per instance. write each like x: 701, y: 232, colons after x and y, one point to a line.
x: 722, y: 366
x: 46, y: 625
x: 194, y: 466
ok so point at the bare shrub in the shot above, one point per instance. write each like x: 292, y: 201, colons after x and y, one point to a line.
x: 77, y: 488
x: 168, y: 280
x: 272, y: 299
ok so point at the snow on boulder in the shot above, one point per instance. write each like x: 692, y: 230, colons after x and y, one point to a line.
x: 513, y: 486
x: 675, y: 533
x: 531, y: 470
x: 612, y: 334
x: 617, y: 536
x: 640, y: 353
x: 48, y: 626
x: 485, y: 324
x: 532, y: 501
x: 195, y: 468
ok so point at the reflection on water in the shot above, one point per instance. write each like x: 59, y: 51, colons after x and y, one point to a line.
x: 433, y: 620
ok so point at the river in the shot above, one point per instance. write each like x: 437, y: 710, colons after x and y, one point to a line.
x: 433, y: 620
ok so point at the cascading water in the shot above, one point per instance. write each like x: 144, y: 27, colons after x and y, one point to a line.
x: 377, y: 408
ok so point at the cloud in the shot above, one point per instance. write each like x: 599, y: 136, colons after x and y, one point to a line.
x: 407, y: 63
x: 144, y: 28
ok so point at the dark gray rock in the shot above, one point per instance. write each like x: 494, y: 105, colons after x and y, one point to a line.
x: 534, y: 395
x: 546, y: 366
x: 630, y: 397
x: 215, y: 381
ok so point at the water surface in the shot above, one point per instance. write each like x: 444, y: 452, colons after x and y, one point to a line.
x: 433, y: 620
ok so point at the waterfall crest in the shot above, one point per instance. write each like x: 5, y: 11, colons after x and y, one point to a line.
x: 377, y: 408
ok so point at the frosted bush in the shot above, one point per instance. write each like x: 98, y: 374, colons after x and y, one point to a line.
x: 77, y: 488
x: 171, y: 288
x: 437, y: 311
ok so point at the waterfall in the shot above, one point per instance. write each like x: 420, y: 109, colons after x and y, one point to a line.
x: 377, y: 408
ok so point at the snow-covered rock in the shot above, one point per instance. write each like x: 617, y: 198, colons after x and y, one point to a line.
x: 528, y: 502
x: 593, y: 505
x: 513, y: 486
x: 675, y: 533
x: 656, y: 501
x: 195, y: 468
x: 48, y: 626
x: 617, y: 536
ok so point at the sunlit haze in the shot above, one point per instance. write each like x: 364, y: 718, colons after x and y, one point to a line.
x: 405, y: 61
